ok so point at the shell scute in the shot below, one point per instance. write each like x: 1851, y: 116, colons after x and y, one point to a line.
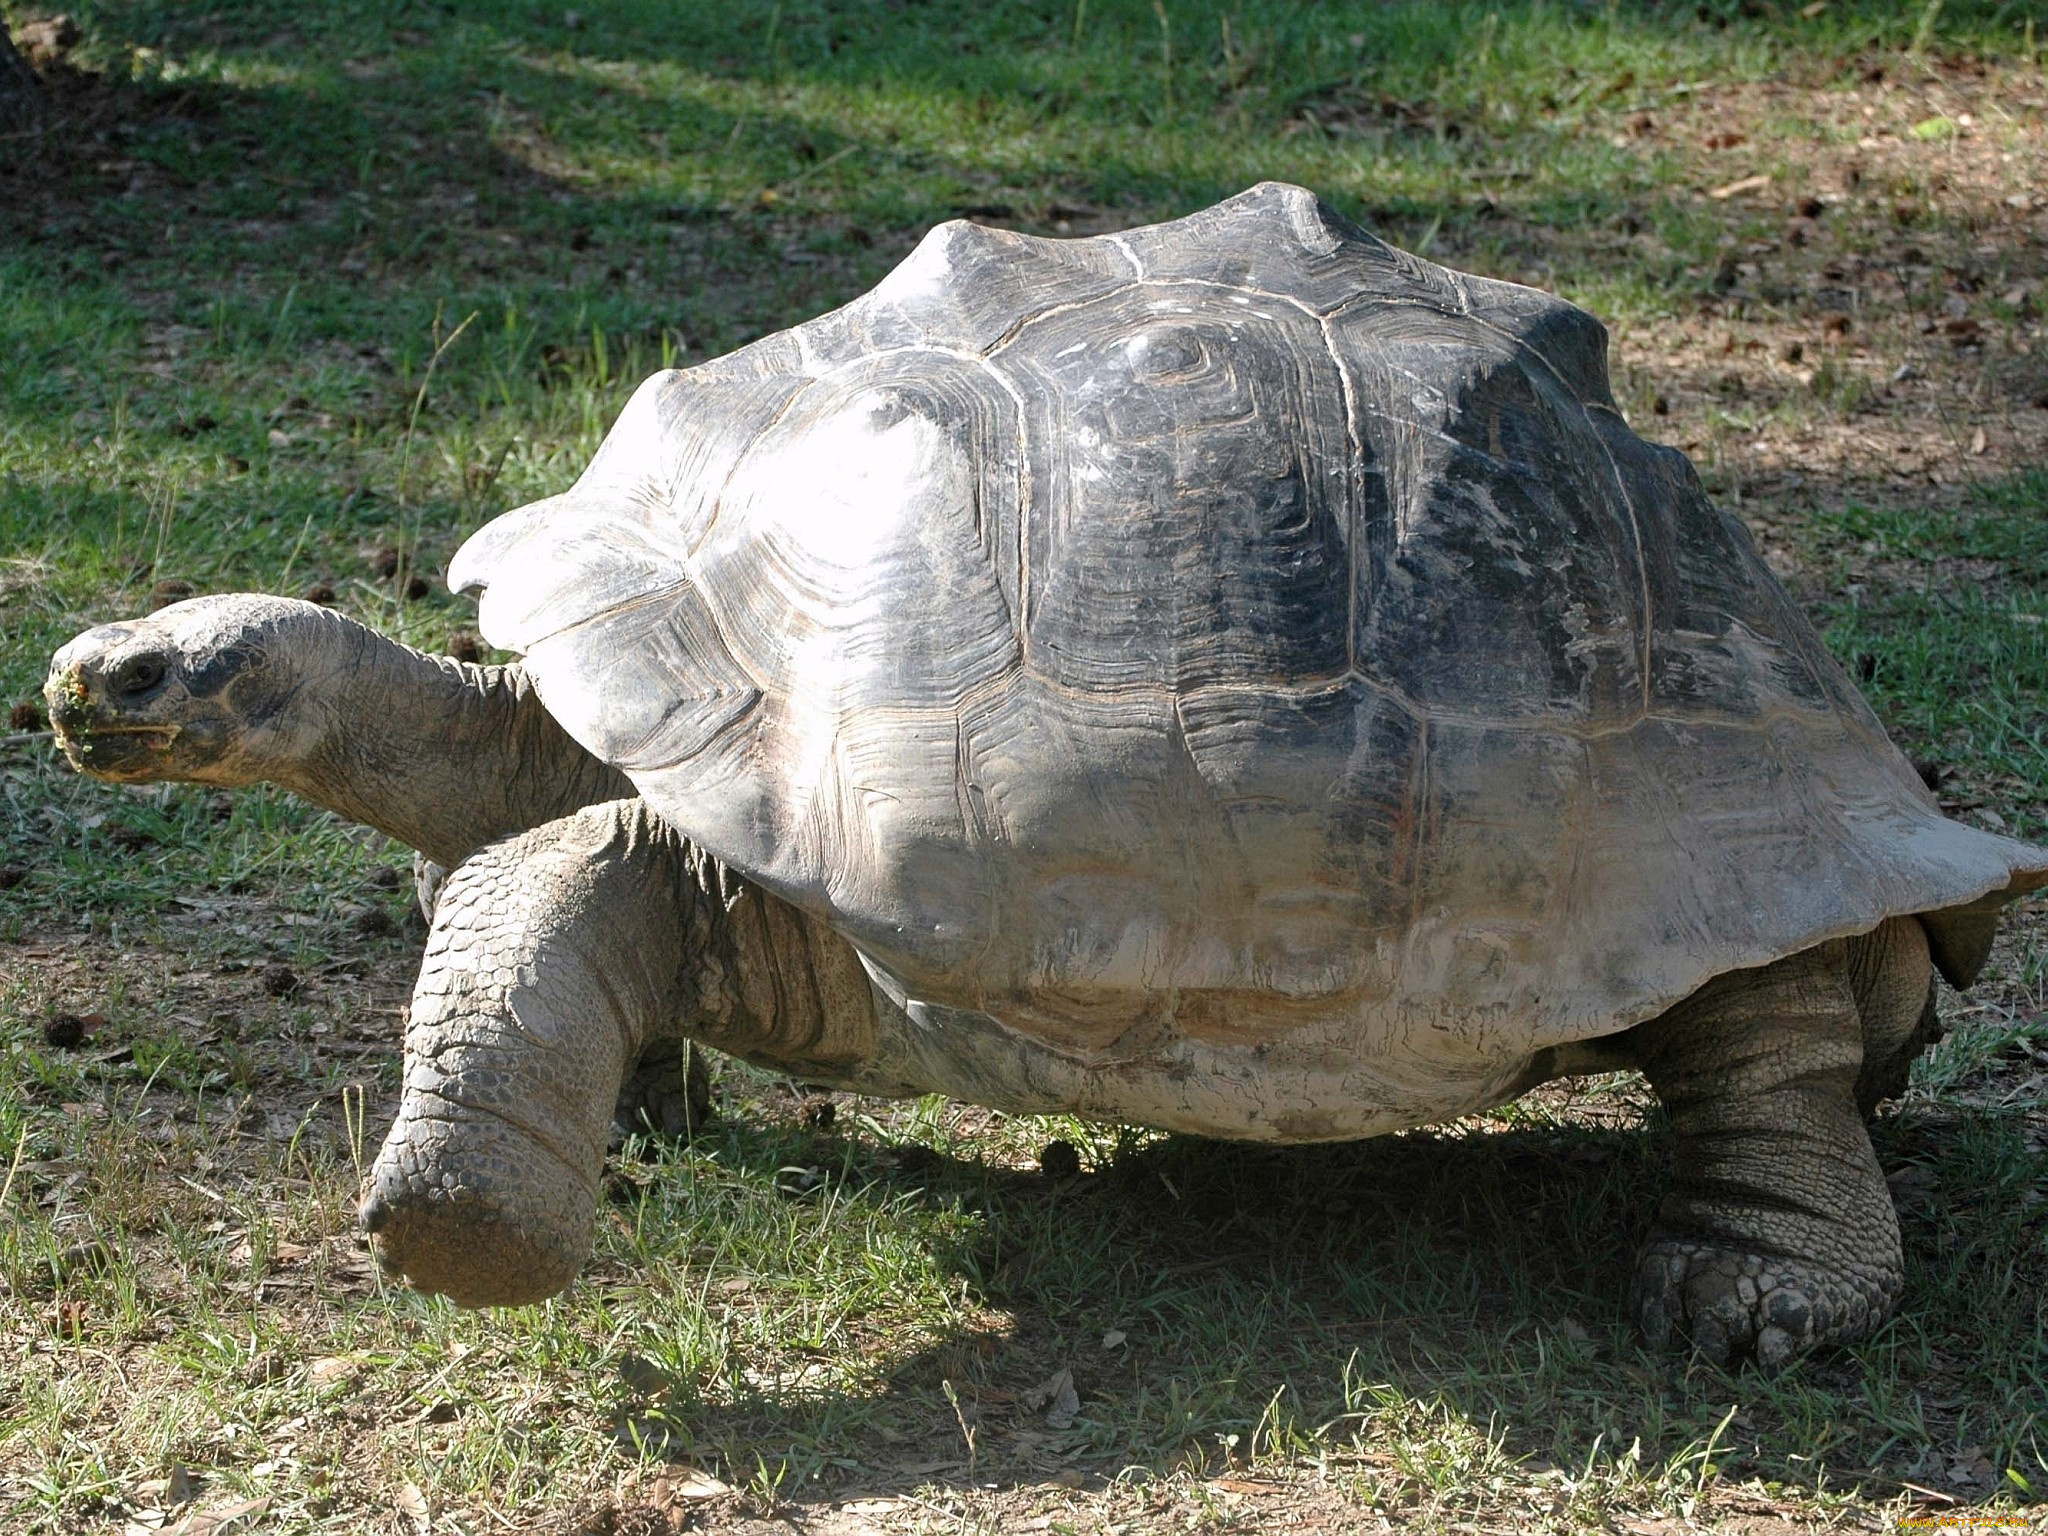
x: 638, y: 509
x: 659, y: 689
x: 1303, y: 254
x: 1499, y: 574
x: 879, y: 512
x: 965, y: 288
x: 1502, y: 822
x: 1561, y: 337
x: 1729, y: 640
x: 1185, y: 530
x: 1328, y: 785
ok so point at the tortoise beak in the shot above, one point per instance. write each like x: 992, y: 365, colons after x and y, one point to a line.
x: 99, y: 694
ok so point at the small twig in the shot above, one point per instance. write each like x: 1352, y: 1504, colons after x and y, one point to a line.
x: 419, y: 401
x: 966, y: 1431
x: 292, y: 559
x: 23, y: 738
x: 354, y: 1114
x: 1165, y: 52
x: 1929, y: 1493
x: 1202, y: 1266
x: 407, y: 546
x: 1955, y: 436
x: 14, y: 1167
x: 811, y: 170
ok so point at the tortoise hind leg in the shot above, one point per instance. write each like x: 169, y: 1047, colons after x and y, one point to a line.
x: 1891, y: 972
x: 667, y: 1093
x: 1778, y: 1234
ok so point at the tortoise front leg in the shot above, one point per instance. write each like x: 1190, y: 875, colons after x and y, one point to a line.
x: 667, y: 1092
x: 555, y: 955
x: 1778, y: 1234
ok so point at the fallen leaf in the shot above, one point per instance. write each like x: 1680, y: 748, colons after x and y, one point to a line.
x: 1970, y: 1466
x: 1914, y: 1188
x: 797, y: 1182
x: 688, y: 1485
x: 352, y: 1265
x: 217, y: 1522
x: 413, y: 1505
x: 333, y: 1370
x: 1114, y: 1339
x: 1979, y: 442
x: 642, y: 1376
x: 46, y: 39
x: 1056, y: 1395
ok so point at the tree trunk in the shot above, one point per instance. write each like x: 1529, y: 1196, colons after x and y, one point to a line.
x: 21, y: 103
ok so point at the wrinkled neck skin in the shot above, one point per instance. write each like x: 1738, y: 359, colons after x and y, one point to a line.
x: 442, y: 755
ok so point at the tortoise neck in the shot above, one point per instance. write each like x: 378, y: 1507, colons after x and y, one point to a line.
x: 440, y: 754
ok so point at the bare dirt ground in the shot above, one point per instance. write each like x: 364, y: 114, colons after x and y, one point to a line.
x: 1876, y: 335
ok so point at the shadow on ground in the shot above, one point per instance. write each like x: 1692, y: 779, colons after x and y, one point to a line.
x: 1212, y: 1302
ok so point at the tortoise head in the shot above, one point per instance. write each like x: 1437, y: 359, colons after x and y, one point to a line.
x: 207, y: 691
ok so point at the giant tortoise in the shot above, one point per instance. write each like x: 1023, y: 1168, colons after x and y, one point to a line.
x: 1229, y: 676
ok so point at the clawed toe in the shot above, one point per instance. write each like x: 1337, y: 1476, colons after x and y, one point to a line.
x: 1734, y: 1307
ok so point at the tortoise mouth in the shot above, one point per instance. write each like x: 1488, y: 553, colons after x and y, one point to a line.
x: 107, y: 751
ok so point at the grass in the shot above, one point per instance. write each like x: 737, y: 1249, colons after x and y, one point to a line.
x: 295, y: 297
x: 1944, y: 615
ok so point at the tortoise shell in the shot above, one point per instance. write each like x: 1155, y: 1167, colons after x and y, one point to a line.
x: 1221, y: 630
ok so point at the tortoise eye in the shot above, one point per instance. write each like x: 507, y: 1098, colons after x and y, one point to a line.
x: 137, y: 675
